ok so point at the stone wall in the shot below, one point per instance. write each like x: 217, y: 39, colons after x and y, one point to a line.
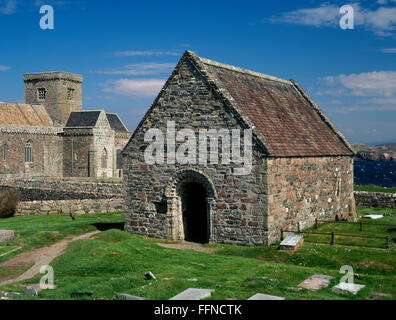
x: 78, y: 153
x: 62, y: 189
x: 83, y: 206
x: 47, y: 151
x: 301, y: 189
x: 375, y: 199
x: 238, y: 209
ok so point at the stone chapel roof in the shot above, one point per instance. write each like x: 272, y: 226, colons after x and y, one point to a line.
x: 24, y: 115
x: 115, y: 122
x: 281, y: 114
x: 82, y: 119
x: 285, y: 121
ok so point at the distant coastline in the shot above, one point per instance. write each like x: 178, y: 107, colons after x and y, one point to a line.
x: 383, y: 152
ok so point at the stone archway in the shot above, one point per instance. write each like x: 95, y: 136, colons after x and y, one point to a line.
x: 190, y: 198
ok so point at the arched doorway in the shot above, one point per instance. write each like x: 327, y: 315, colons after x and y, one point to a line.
x: 190, y: 200
x: 194, y: 212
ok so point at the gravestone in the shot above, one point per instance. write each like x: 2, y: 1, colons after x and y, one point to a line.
x: 292, y: 242
x: 316, y: 282
x: 344, y: 288
x: 373, y: 216
x: 193, y: 294
x: 149, y: 276
x: 261, y: 296
x: 126, y: 296
x: 6, y: 235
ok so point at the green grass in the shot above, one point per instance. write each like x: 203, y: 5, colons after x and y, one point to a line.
x: 115, y: 262
x: 370, y: 228
x: 374, y: 188
x: 44, y: 230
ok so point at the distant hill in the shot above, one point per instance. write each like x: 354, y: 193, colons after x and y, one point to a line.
x: 382, y: 152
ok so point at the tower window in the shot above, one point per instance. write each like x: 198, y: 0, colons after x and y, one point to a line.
x: 5, y: 151
x: 41, y: 94
x: 29, y: 151
x: 104, y: 159
x: 70, y: 94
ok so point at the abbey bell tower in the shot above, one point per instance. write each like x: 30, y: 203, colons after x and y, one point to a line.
x: 59, y: 92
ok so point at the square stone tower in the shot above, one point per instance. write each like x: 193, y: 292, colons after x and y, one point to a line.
x: 59, y: 92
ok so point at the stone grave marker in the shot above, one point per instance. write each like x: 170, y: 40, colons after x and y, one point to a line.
x: 373, y: 216
x: 316, y: 282
x: 127, y: 296
x: 344, y: 287
x: 261, y: 296
x: 6, y: 235
x: 292, y: 242
x: 193, y: 294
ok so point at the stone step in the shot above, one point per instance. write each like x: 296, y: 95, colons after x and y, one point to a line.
x: 292, y: 242
x: 261, y: 296
x: 6, y: 235
x: 345, y: 288
x: 193, y: 294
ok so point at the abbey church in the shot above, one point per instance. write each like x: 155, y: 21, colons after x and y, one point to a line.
x: 50, y: 135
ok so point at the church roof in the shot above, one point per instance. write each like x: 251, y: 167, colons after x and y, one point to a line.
x: 82, y: 119
x: 24, y: 115
x: 115, y: 122
x: 282, y: 115
x: 284, y: 120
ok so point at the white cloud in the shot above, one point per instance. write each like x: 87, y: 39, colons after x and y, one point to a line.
x: 325, y: 15
x: 147, y: 68
x: 145, y: 53
x: 4, y: 68
x: 381, y: 20
x: 8, y: 6
x: 376, y: 83
x: 388, y: 50
x: 137, y: 88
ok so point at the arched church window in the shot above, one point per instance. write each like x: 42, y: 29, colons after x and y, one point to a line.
x: 104, y: 159
x: 5, y: 151
x: 29, y: 151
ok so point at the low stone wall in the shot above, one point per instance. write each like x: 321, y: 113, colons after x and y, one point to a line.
x: 69, y: 206
x: 375, y: 199
x: 62, y: 189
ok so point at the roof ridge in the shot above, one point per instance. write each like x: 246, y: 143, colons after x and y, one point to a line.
x: 227, y: 98
x: 325, y: 119
x: 241, y: 70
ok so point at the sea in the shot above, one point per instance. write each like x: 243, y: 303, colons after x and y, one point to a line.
x: 380, y: 173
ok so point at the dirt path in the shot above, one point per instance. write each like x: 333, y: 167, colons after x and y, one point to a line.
x: 187, y: 246
x: 40, y: 257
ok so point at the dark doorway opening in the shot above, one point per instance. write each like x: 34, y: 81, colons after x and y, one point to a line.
x: 195, y: 214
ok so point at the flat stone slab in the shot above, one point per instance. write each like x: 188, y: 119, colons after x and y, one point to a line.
x: 6, y: 235
x: 292, y: 242
x: 193, y: 294
x: 316, y: 282
x: 344, y: 288
x: 127, y: 296
x: 381, y: 294
x: 261, y: 296
x: 373, y: 216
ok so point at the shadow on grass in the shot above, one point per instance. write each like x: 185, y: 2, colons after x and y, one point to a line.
x: 104, y: 226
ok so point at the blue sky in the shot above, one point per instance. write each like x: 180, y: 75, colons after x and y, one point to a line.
x: 126, y: 50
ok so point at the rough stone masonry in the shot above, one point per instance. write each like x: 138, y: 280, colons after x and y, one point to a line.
x: 302, y: 166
